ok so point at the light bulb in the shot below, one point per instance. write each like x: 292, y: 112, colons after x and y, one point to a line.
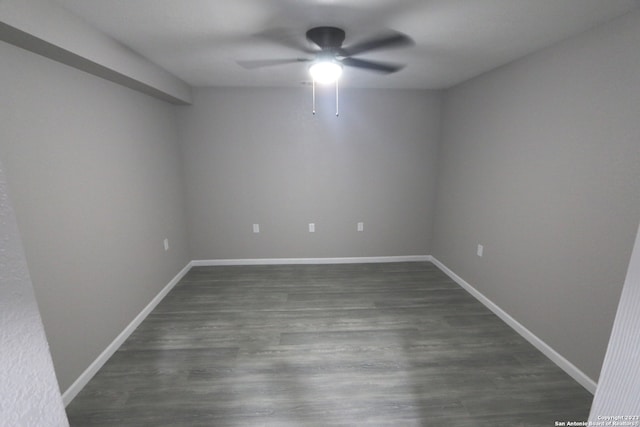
x: 325, y: 71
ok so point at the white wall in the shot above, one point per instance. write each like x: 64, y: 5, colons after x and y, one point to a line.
x: 618, y: 391
x: 260, y: 156
x: 94, y: 173
x: 540, y: 163
x: 29, y: 394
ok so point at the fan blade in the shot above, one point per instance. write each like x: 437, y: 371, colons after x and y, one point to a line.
x: 394, y: 39
x: 380, y: 67
x: 260, y: 63
x: 285, y: 38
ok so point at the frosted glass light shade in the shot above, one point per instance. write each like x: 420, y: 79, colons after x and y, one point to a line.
x: 325, y: 71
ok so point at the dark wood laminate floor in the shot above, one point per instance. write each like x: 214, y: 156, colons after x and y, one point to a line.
x: 326, y: 345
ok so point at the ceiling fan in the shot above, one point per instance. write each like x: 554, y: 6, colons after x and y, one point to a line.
x: 326, y: 65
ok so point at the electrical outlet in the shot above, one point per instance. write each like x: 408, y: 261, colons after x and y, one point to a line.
x: 166, y: 244
x: 256, y: 228
x: 480, y: 250
x: 312, y: 227
x: 361, y: 226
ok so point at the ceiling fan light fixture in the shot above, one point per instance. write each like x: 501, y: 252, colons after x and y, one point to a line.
x: 325, y: 72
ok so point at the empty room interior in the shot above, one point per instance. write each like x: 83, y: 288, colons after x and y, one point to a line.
x: 198, y: 230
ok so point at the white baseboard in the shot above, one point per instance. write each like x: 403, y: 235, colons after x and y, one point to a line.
x: 284, y: 261
x: 88, y: 373
x: 555, y: 357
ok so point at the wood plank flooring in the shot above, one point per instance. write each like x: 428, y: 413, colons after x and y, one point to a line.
x: 395, y: 344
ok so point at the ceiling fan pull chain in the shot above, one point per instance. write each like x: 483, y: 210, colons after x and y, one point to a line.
x: 313, y: 96
x: 337, y: 107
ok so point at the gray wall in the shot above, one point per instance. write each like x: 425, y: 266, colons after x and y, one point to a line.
x: 540, y: 163
x: 94, y: 172
x: 25, y: 352
x: 260, y: 156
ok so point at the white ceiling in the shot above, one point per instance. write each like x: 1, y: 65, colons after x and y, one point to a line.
x: 200, y: 41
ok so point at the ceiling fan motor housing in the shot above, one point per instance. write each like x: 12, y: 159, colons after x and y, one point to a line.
x: 326, y: 37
